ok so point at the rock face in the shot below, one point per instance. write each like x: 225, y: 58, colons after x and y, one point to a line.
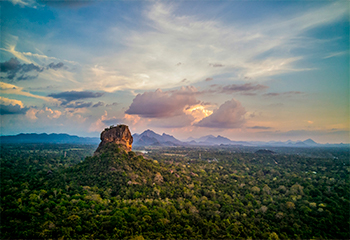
x: 119, y: 135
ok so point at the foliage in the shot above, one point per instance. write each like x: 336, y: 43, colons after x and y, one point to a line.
x: 224, y: 194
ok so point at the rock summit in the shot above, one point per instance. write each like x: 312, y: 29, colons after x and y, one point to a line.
x: 116, y: 134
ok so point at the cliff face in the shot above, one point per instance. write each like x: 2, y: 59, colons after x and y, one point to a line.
x: 119, y: 135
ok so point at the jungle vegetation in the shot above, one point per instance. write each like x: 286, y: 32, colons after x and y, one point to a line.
x: 61, y: 191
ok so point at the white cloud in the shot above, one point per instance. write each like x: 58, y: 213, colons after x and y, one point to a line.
x: 336, y: 54
x: 151, y: 58
x: 25, y: 3
x: 7, y: 101
x: 42, y: 114
x: 6, y: 88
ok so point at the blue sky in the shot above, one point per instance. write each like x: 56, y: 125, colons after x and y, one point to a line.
x: 247, y: 70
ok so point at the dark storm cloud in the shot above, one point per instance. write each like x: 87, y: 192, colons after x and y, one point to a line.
x: 69, y: 96
x: 161, y: 104
x: 12, y: 109
x: 228, y: 115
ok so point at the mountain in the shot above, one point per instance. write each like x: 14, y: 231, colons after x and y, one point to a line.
x: 310, y: 142
x: 48, y: 138
x: 209, y: 140
x: 150, y: 138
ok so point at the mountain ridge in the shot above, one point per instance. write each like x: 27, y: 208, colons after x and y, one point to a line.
x: 48, y: 138
x: 150, y: 138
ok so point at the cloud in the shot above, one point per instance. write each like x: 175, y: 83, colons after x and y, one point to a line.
x: 10, y: 42
x: 289, y: 93
x: 26, y: 77
x: 228, y: 115
x: 208, y: 79
x: 105, y: 121
x: 9, y: 65
x: 12, y: 109
x: 47, y: 114
x: 7, y: 88
x: 99, y: 124
x: 78, y: 105
x: 336, y: 54
x: 259, y: 127
x: 25, y: 3
x: 13, y: 67
x: 161, y: 104
x: 211, y: 48
x: 11, y: 106
x: 7, y: 101
x: 112, y: 104
x: 55, y: 66
x: 216, y: 65
x: 173, y: 122
x: 247, y: 87
x: 99, y: 104
x: 112, y: 121
x: 69, y: 96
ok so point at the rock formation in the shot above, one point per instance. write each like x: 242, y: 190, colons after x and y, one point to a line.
x: 119, y: 135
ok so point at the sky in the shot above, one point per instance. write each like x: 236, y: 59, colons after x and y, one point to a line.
x: 246, y: 70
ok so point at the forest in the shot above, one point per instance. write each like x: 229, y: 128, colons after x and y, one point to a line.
x: 61, y: 191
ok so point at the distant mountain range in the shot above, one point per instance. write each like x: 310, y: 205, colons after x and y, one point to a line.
x: 48, y: 138
x: 150, y: 138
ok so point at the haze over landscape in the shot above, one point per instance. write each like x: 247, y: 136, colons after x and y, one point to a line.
x: 248, y: 71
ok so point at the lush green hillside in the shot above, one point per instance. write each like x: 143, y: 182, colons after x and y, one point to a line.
x: 121, y: 195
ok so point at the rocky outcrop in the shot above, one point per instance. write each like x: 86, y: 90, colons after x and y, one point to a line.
x: 119, y: 135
